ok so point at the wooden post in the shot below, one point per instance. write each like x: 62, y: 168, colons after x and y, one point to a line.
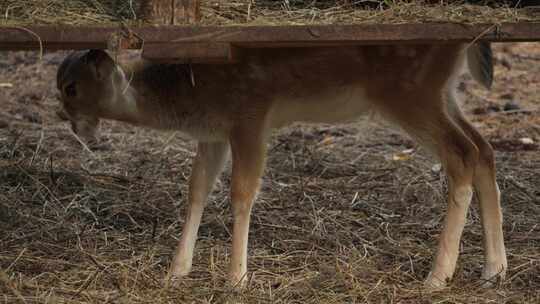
x: 171, y: 12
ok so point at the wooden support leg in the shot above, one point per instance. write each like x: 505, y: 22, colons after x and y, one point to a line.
x: 170, y: 11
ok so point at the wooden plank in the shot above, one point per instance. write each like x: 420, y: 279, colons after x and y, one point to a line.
x: 263, y: 36
x: 78, y: 37
x: 196, y: 52
x: 172, y: 12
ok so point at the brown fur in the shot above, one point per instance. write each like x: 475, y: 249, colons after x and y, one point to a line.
x: 237, y: 105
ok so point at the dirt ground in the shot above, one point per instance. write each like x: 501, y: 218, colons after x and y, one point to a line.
x: 344, y: 216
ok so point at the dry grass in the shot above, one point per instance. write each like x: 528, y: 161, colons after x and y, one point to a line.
x: 249, y: 12
x: 67, y: 12
x: 338, y: 221
x: 346, y: 12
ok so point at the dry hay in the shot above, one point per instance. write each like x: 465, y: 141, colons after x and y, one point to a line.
x: 264, y: 12
x: 345, y: 12
x: 337, y: 221
x: 74, y: 12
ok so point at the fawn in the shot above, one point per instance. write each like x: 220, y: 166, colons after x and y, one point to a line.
x: 232, y: 109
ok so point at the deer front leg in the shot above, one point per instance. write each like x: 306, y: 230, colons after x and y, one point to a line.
x: 248, y: 154
x: 207, y: 165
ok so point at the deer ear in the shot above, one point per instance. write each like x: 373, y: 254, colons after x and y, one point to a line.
x: 100, y: 62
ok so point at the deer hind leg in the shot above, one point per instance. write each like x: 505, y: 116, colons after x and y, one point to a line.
x: 485, y: 184
x: 426, y: 120
x: 459, y: 157
x: 248, y: 155
x: 207, y: 165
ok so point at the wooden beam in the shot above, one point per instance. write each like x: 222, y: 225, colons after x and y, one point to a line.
x: 79, y: 37
x: 269, y: 36
x: 170, y: 12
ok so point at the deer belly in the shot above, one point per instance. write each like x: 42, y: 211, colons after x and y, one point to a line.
x: 333, y: 106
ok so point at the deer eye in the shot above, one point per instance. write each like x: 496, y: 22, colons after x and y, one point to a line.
x: 70, y: 90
